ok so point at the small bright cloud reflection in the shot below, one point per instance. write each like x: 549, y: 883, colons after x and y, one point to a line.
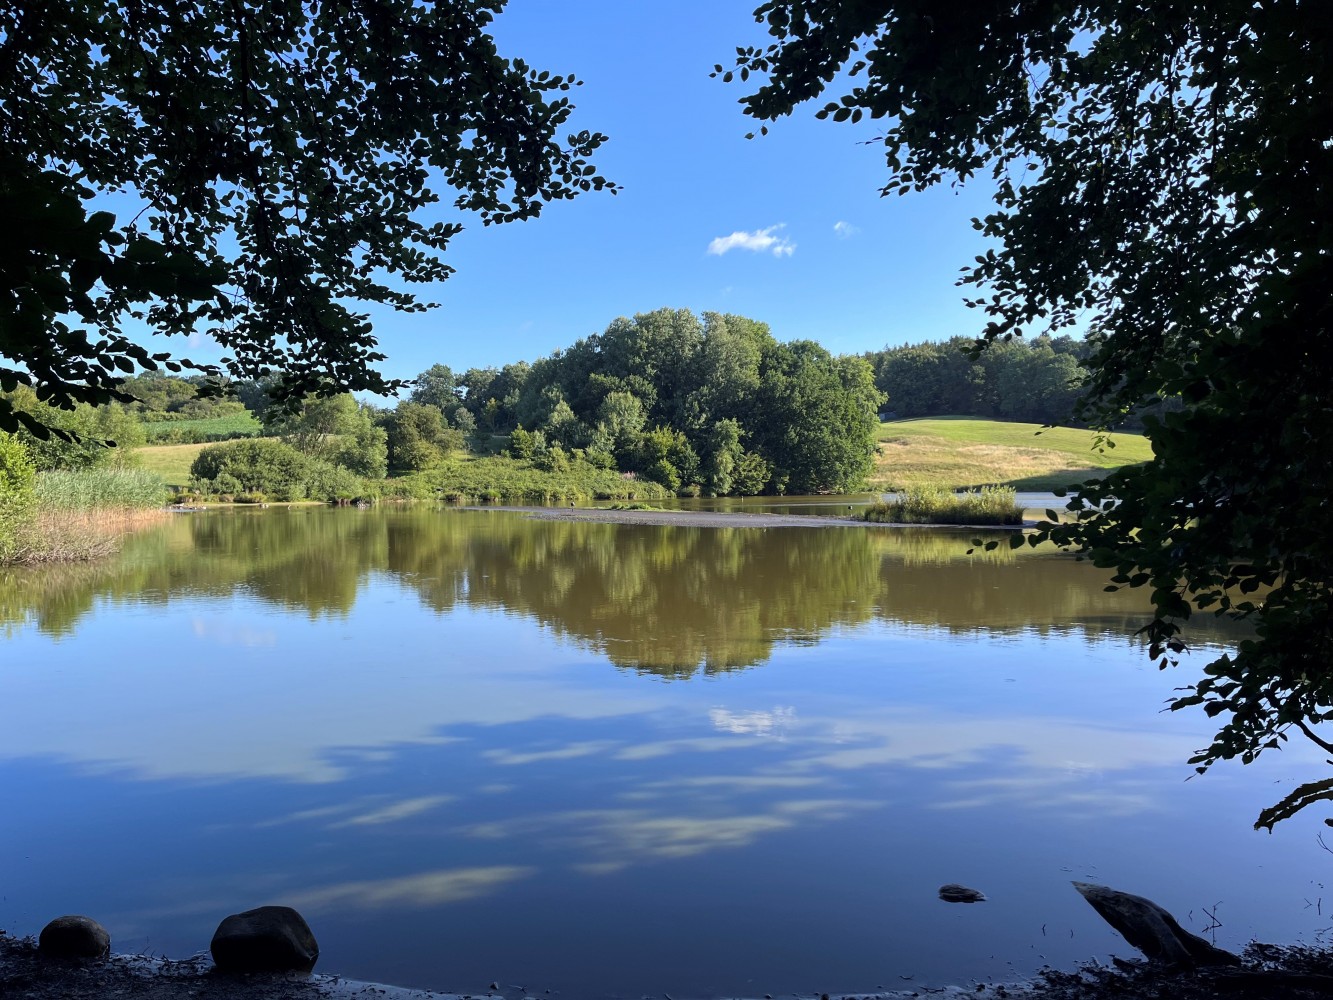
x: 665, y: 748
x: 569, y: 752
x: 770, y: 723
x: 396, y: 811
x: 227, y: 633
x: 424, y: 889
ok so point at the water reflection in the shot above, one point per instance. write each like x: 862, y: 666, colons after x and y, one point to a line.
x: 403, y: 723
x: 660, y: 600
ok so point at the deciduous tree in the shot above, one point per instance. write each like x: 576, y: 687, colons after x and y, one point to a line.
x: 280, y: 159
x: 1163, y: 171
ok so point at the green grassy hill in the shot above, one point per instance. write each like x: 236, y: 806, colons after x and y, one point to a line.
x: 958, y: 452
x: 170, y: 461
x: 205, y: 428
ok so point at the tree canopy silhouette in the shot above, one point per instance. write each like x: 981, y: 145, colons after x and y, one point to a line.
x: 277, y: 157
x: 1163, y: 175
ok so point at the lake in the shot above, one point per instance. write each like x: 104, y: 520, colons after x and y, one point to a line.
x: 615, y: 760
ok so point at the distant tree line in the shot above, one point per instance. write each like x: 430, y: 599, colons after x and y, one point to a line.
x: 1031, y: 380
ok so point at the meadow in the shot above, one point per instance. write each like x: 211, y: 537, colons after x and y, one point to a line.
x: 205, y: 429
x: 958, y: 453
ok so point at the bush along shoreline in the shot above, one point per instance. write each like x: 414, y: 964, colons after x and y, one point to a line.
x: 990, y: 505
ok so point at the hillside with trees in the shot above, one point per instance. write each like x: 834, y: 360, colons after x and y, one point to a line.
x: 681, y: 404
x: 700, y: 405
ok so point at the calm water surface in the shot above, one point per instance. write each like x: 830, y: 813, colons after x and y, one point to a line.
x: 615, y: 760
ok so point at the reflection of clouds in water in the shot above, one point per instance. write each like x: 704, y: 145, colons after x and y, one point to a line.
x: 734, y: 782
x: 305, y: 719
x: 369, y: 811
x: 567, y: 752
x: 434, y: 888
x: 225, y: 633
x: 664, y: 748
x: 395, y: 812
x: 771, y: 723
x: 618, y: 837
x: 1011, y: 761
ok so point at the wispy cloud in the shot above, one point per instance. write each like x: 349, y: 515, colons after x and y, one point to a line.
x: 845, y: 230
x: 759, y: 241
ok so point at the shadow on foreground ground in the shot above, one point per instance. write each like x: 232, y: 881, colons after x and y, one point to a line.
x: 1270, y: 972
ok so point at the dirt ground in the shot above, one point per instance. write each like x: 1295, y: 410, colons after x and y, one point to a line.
x: 1270, y: 972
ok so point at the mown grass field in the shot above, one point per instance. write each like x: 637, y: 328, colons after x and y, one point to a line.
x: 962, y: 452
x: 170, y: 461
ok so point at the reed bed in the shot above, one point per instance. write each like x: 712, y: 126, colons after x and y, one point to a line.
x: 99, y: 490
x: 937, y: 505
x: 76, y: 536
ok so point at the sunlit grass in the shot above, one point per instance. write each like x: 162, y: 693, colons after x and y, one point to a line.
x: 937, y: 505
x: 99, y: 490
x: 205, y: 429
x: 958, y: 453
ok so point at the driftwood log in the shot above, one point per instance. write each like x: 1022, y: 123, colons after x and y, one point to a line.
x: 1152, y: 930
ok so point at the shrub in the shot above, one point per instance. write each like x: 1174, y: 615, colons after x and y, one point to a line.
x: 257, y: 465
x: 17, y: 492
x: 275, y: 470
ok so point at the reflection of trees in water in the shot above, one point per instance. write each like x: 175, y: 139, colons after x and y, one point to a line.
x: 667, y: 600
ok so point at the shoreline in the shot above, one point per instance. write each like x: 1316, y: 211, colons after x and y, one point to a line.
x: 720, y: 519
x: 1268, y: 971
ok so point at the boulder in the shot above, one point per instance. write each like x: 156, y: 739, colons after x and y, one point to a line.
x: 1152, y: 930
x: 74, y: 937
x: 266, y: 939
x: 955, y: 893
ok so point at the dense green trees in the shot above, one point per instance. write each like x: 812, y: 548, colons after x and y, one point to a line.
x: 1036, y: 381
x: 1162, y: 173
x: 709, y: 404
x: 703, y: 404
x: 86, y: 435
x: 281, y: 154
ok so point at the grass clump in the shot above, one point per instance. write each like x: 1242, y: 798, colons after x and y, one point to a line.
x: 937, y: 505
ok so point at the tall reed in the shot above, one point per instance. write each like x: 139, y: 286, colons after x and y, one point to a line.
x: 937, y: 505
x: 98, y: 490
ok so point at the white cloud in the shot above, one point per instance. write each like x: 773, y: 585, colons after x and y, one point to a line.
x: 845, y: 230
x: 760, y: 241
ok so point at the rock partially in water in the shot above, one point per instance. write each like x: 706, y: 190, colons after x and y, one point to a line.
x: 1152, y: 930
x: 955, y: 893
x: 265, y: 939
x: 74, y: 936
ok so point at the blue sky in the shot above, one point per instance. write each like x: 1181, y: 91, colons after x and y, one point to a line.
x: 841, y: 265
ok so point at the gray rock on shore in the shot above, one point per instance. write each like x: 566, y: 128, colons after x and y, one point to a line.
x: 955, y: 893
x: 265, y: 939
x: 74, y: 936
